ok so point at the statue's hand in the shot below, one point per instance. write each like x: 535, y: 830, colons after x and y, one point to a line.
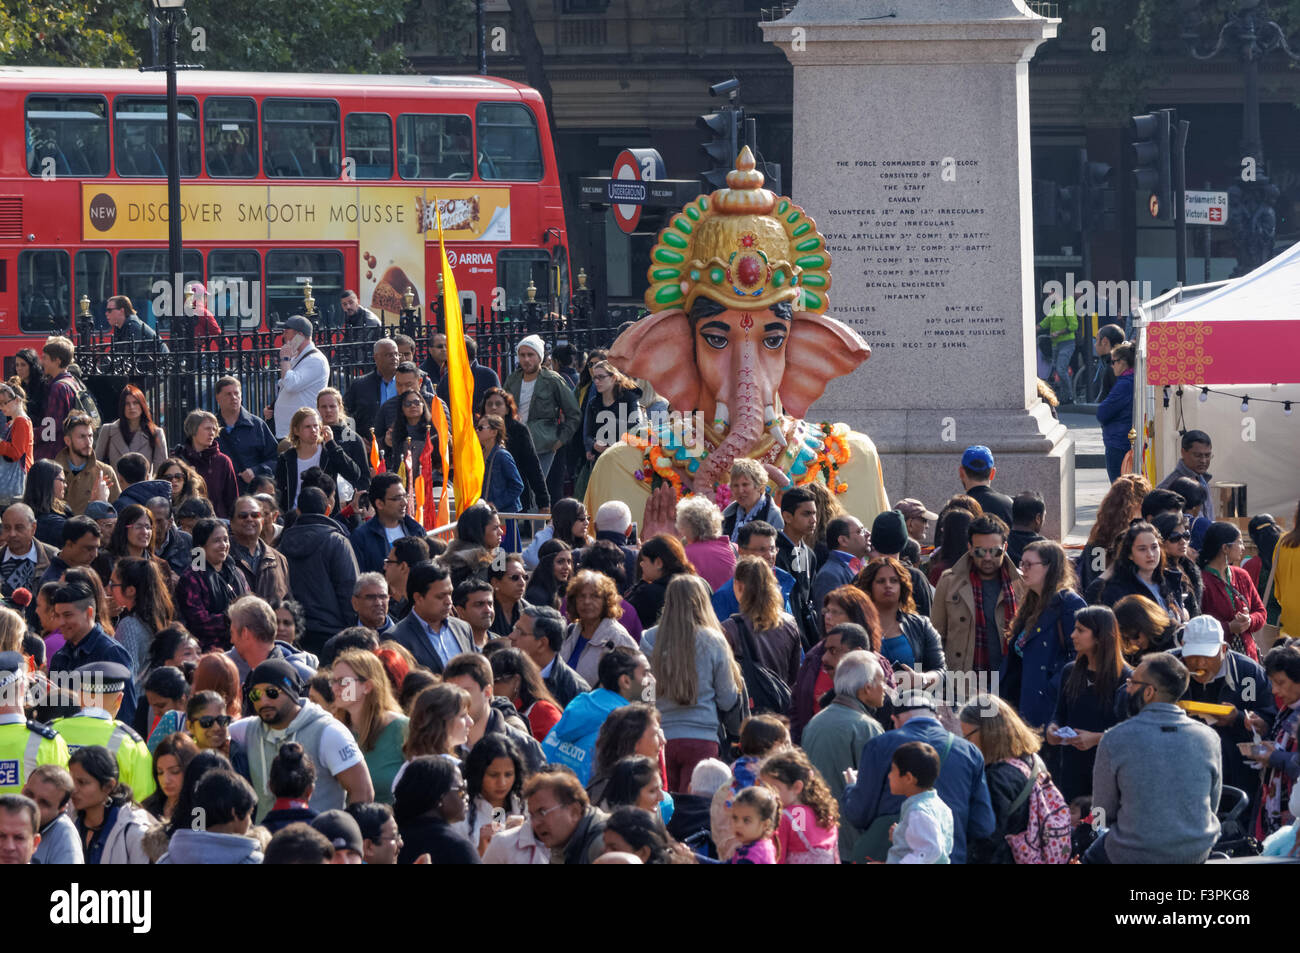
x: 660, y: 513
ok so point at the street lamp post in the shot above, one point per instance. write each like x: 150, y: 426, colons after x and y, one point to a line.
x: 169, y: 12
x: 1252, y: 219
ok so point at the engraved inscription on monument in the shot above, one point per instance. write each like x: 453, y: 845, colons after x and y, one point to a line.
x: 917, y: 247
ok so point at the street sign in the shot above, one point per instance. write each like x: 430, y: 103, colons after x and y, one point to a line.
x: 626, y: 190
x: 1207, y: 208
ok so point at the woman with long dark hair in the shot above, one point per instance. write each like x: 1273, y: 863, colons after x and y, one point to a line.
x: 186, y: 484
x: 479, y: 533
x: 495, y: 772
x: 414, y: 423
x: 109, y: 822
x: 1139, y: 569
x: 44, y: 492
x: 204, y: 594
x: 170, y: 759
x: 517, y: 677
x: 909, y: 640
x: 953, y: 525
x: 133, y: 537
x: 612, y: 408
x: 519, y: 441
x: 661, y: 559
x: 133, y: 432
x: 1090, y: 683
x: 631, y: 729
x: 571, y: 522
x: 429, y: 800
x: 31, y: 378
x: 549, y: 580
x: 1230, y: 596
x: 1144, y: 628
x: 139, y: 593
x: 1180, y: 569
x: 1039, y: 644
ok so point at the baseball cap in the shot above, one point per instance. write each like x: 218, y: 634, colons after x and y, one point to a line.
x: 1202, y: 636
x: 978, y: 459
x: 300, y: 324
x: 915, y: 701
x: 276, y: 672
x: 99, y: 510
x: 914, y: 509
x: 340, y: 829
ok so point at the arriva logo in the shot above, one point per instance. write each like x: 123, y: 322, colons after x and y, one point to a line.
x: 469, y: 258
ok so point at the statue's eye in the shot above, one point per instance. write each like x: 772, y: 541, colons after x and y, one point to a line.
x: 773, y: 341
x: 715, y: 341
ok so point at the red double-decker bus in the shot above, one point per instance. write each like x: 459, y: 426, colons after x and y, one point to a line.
x: 286, y: 180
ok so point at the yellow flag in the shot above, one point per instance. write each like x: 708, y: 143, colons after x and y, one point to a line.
x: 467, y: 452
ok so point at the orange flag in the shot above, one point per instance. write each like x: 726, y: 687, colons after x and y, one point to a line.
x: 460, y: 380
x: 376, y: 461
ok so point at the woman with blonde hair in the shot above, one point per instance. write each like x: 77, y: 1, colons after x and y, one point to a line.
x: 363, y: 700
x: 1010, y: 749
x: 593, y: 603
x: 699, y: 523
x: 695, y: 676
x: 313, y: 445
x: 763, y: 621
x: 439, y: 723
x: 12, y: 629
x: 18, y: 447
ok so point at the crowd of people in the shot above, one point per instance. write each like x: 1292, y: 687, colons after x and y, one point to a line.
x: 245, y: 650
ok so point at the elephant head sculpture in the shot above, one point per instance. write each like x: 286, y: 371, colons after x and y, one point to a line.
x: 743, y: 339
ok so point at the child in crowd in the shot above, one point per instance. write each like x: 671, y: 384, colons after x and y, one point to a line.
x: 753, y: 815
x: 1082, y: 833
x: 809, y: 828
x: 923, y: 834
x: 759, y: 736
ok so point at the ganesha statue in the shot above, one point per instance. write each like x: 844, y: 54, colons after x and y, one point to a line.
x: 739, y: 344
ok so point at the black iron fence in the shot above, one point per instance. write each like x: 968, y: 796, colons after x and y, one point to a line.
x: 179, y: 375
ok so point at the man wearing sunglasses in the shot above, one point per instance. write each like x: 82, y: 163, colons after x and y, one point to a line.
x: 976, y: 598
x: 274, y: 689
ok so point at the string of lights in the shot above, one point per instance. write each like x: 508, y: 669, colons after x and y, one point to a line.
x: 1246, y: 400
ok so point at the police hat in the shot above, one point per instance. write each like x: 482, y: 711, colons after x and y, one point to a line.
x: 11, y: 662
x: 112, y: 676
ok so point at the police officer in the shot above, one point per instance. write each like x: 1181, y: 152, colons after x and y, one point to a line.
x: 100, y: 686
x: 24, y: 743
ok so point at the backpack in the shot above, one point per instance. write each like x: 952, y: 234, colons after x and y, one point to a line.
x: 768, y: 692
x: 84, y: 402
x: 1046, y: 838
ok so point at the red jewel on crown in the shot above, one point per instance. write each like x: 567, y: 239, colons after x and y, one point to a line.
x: 749, y: 271
x: 747, y: 240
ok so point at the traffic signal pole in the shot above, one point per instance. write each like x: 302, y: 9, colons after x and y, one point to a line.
x: 1179, y: 170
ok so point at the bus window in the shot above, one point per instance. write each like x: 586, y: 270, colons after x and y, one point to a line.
x: 301, y: 138
x: 94, y: 279
x: 235, y: 288
x: 435, y: 147
x: 67, y: 135
x: 368, y: 141
x: 287, y: 272
x: 44, y: 291
x: 508, y: 146
x: 516, y: 267
x: 140, y: 128
x: 139, y: 270
x: 230, y: 137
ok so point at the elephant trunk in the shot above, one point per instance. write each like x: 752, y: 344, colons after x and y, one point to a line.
x: 746, y: 403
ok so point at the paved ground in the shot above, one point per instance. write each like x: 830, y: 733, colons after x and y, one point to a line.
x: 1090, y: 482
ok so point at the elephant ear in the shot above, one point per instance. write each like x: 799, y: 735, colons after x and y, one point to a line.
x: 819, y: 350
x: 661, y: 349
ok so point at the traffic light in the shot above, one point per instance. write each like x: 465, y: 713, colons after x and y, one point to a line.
x: 1151, y: 161
x: 724, y: 126
x: 1098, y: 202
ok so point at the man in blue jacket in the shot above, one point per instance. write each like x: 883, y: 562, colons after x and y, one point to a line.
x: 961, y: 782
x: 1116, y: 412
x: 245, y: 439
x: 374, y: 538
x: 624, y: 677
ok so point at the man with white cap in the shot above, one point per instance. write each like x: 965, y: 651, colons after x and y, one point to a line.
x: 544, y: 400
x: 1221, y: 676
x: 303, y: 372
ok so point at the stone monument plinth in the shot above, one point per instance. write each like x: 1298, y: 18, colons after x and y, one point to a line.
x: 911, y: 151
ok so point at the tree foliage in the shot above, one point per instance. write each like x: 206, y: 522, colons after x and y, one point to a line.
x: 1146, y: 40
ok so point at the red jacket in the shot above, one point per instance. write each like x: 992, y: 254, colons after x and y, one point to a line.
x: 1216, y: 601
x: 218, y: 472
